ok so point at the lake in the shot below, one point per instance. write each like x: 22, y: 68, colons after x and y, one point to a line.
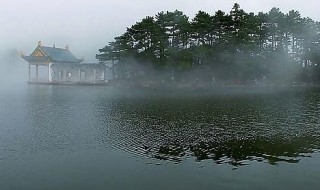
x: 90, y: 137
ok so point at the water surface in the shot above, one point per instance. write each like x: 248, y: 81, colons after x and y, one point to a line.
x: 78, y: 137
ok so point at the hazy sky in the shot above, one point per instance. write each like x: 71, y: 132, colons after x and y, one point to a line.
x: 87, y: 25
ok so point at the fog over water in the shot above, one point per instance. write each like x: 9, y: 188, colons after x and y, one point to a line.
x: 108, y: 137
x: 71, y: 137
x: 89, y: 25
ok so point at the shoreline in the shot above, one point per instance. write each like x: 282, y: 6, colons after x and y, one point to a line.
x: 177, y: 85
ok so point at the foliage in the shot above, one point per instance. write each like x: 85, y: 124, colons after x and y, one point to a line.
x: 239, y: 47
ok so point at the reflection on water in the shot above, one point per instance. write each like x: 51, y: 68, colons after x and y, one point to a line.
x: 224, y: 127
x: 233, y: 129
x: 70, y: 137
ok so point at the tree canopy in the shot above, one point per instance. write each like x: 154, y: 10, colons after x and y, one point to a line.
x: 235, y: 46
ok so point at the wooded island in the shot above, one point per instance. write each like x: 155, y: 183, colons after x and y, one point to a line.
x: 224, y: 48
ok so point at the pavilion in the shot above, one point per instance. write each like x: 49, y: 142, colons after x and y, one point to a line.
x: 63, y: 67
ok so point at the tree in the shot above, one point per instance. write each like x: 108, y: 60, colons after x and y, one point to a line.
x: 107, y: 54
x: 176, y: 27
x: 202, y: 29
x: 238, y: 46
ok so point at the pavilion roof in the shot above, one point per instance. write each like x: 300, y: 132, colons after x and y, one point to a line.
x: 52, y: 54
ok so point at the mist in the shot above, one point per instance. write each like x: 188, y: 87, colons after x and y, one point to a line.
x: 235, y: 48
x: 159, y: 94
x: 12, y: 69
x: 87, y: 26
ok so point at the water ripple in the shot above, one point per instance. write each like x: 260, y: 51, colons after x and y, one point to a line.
x: 226, y: 130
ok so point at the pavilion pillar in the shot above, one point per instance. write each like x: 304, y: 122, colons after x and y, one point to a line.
x: 29, y: 72
x: 94, y: 75
x: 50, y: 72
x: 64, y: 75
x: 37, y: 71
x: 79, y: 74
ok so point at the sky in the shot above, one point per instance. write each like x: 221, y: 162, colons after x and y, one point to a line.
x: 87, y: 25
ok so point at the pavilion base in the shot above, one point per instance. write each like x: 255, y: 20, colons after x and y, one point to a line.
x: 68, y: 83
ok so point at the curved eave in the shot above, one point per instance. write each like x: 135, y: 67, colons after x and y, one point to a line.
x: 79, y: 60
x: 68, y: 61
x: 36, y: 59
x: 33, y: 59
